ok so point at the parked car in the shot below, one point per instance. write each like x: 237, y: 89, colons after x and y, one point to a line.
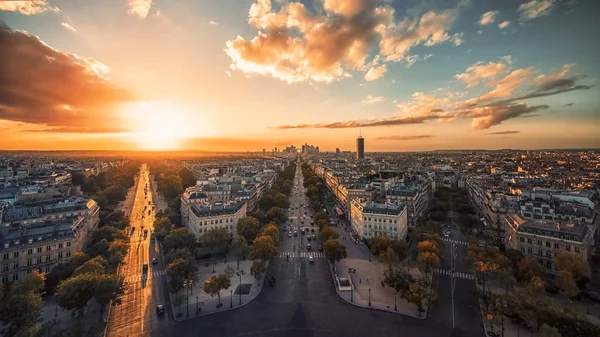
x: 160, y: 309
x: 154, y: 261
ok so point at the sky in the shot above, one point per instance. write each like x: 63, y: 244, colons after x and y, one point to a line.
x: 242, y: 75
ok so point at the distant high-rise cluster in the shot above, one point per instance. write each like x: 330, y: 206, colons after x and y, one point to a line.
x: 360, y: 147
x: 309, y: 149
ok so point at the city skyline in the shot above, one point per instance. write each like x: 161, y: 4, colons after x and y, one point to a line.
x: 412, y: 75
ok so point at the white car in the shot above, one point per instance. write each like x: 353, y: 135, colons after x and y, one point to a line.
x: 311, y: 259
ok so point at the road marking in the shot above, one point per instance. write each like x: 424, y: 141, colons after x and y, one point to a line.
x: 301, y: 254
x: 458, y: 242
x: 140, y: 277
x: 446, y: 272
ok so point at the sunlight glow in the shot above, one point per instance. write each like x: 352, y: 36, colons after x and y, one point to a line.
x: 159, y: 125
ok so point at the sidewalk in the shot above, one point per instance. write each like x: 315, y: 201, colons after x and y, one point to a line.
x: 230, y: 298
x: 157, y: 199
x: 127, y: 205
x: 368, y: 276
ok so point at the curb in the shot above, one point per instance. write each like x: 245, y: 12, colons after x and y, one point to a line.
x: 179, y: 320
x: 371, y: 308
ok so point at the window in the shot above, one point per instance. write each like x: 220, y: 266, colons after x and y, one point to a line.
x: 39, y: 249
x: 47, y: 269
x: 29, y: 262
x: 47, y: 257
x: 15, y: 254
x: 540, y: 252
x: 4, y: 279
x: 5, y: 267
x: 29, y: 251
x: 38, y: 260
x: 529, y: 241
x: 6, y: 256
x: 568, y: 248
x: 68, y: 243
x: 577, y: 250
x: 15, y: 265
x: 547, y: 244
x: 522, y: 239
x: 48, y: 248
x: 60, y: 245
x: 60, y: 255
x: 15, y: 277
x: 529, y: 250
x: 556, y: 246
x: 539, y: 242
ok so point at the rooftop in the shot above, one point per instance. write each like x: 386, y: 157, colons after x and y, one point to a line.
x: 218, y: 208
x: 380, y: 208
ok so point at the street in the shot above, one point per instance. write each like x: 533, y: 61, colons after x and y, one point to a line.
x: 136, y: 315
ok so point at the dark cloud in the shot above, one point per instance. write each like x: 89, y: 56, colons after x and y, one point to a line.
x: 405, y: 137
x: 503, y: 133
x: 81, y: 130
x: 365, y: 124
x: 486, y: 117
x: 437, y: 110
x: 41, y: 85
x: 569, y: 104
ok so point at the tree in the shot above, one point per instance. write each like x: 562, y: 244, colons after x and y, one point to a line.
x: 334, y: 250
x: 181, y: 269
x: 20, y: 310
x: 429, y: 246
x: 75, y: 292
x: 180, y: 253
x: 399, y: 248
x: 179, y: 300
x: 277, y: 215
x: 97, y: 265
x: 390, y: 258
x: 229, y: 272
x: 379, y: 244
x: 187, y: 177
x: 217, y: 240
x: 109, y: 288
x: 114, y: 194
x: 180, y: 238
x: 117, y: 251
x: 257, y: 269
x: 568, y: 285
x: 398, y: 279
x: 528, y: 268
x: 281, y: 200
x: 272, y: 231
x: 215, y: 284
x: 170, y: 186
x: 263, y: 248
x: 239, y: 248
x: 420, y: 293
x: 573, y: 263
x: 107, y: 233
x: 266, y: 202
x: 248, y: 227
x: 327, y: 233
x: 162, y: 228
x: 33, y: 282
x: 428, y: 260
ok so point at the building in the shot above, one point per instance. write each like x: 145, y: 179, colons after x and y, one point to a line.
x: 544, y: 240
x: 204, y: 216
x: 377, y: 219
x: 39, y: 246
x: 360, y: 147
x: 26, y: 213
x: 415, y: 195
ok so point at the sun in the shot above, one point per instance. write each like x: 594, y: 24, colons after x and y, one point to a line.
x: 160, y: 126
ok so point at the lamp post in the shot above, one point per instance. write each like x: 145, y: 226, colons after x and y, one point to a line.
x: 395, y: 304
x: 187, y: 296
x: 240, y: 273
x: 231, y: 298
x: 196, y: 305
x: 369, y: 297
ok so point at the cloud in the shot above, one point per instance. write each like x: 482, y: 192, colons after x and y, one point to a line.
x: 569, y: 104
x: 503, y: 133
x: 213, y: 23
x: 487, y: 18
x: 42, y: 85
x: 504, y: 102
x: 76, y: 129
x: 410, y: 60
x: 375, y: 73
x: 535, y: 9
x: 480, y: 71
x: 27, y: 7
x: 140, y: 8
x: 427, y: 56
x: 404, y: 137
x: 68, y: 26
x: 503, y: 24
x: 296, y: 44
x: 373, y: 99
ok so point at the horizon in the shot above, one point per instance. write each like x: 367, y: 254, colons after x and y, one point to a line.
x: 408, y: 76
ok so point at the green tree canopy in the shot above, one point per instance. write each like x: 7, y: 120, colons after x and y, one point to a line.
x: 272, y: 230
x: 327, y: 233
x: 248, y: 227
x: 257, y: 269
x: 263, y: 248
x: 162, y: 228
x: 217, y: 240
x: 96, y: 265
x: 180, y: 238
x: 334, y: 250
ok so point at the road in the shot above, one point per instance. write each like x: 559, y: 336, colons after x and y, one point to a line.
x: 136, y: 315
x: 304, y: 303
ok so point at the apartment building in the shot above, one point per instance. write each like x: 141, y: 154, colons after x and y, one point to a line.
x: 35, y: 211
x: 371, y: 219
x: 39, y: 246
x: 415, y: 195
x: 543, y: 240
x: 203, y: 216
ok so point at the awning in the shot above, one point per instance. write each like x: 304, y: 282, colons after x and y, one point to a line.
x: 339, y: 212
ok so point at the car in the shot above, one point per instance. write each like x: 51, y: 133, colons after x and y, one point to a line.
x: 284, y: 229
x: 308, y: 247
x: 311, y: 259
x: 320, y: 248
x: 160, y: 309
x: 295, y: 233
x: 312, y: 230
x: 154, y: 260
x: 302, y: 231
x: 314, y: 237
x: 308, y: 238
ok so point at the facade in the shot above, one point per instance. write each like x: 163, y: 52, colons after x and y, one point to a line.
x: 203, y: 216
x: 416, y: 196
x: 40, y: 245
x: 544, y: 240
x: 360, y: 147
x: 376, y: 219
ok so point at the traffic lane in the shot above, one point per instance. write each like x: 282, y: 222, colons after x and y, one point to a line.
x: 467, y: 316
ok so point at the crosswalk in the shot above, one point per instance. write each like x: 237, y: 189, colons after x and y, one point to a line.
x: 466, y: 276
x: 140, y: 277
x: 458, y: 242
x: 301, y: 254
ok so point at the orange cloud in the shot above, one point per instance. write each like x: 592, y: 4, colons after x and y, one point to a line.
x: 27, y: 7
x: 139, y: 7
x: 479, y: 71
x: 293, y: 44
x: 41, y: 85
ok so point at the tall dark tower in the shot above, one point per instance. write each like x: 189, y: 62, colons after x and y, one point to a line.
x: 360, y: 147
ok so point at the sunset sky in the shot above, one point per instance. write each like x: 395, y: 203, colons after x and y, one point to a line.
x: 237, y: 75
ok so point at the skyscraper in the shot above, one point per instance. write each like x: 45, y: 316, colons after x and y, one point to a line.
x: 360, y: 147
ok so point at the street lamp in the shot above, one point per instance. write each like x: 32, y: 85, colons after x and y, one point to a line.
x: 196, y: 305
x: 369, y: 297
x: 395, y: 304
x: 231, y: 298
